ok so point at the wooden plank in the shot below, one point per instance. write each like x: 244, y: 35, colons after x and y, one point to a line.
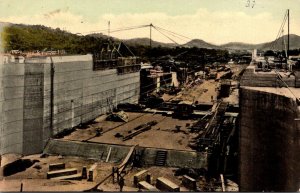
x: 146, y: 128
x: 63, y: 172
x: 68, y: 177
x: 223, y: 184
x: 145, y: 185
x: 140, y: 129
x: 122, y: 166
x: 108, y: 155
x: 140, y: 176
x: 56, y: 166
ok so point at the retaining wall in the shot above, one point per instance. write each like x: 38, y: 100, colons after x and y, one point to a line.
x: 175, y: 158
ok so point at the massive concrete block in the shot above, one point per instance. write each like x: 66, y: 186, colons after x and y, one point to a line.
x: 269, y: 141
x: 49, y: 101
x: 11, y: 111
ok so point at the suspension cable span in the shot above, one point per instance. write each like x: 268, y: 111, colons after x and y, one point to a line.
x: 164, y: 32
x: 122, y: 28
x: 165, y: 35
x: 179, y: 37
x: 279, y: 76
x: 174, y: 33
x: 129, y: 28
x: 279, y: 32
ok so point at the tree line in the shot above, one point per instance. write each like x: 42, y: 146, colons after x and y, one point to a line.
x: 38, y: 37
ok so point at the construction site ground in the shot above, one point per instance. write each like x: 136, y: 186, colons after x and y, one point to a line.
x: 203, y: 93
x: 158, y: 136
x: 162, y: 135
x: 34, y: 178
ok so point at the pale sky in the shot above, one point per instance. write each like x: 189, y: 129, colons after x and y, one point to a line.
x: 214, y: 21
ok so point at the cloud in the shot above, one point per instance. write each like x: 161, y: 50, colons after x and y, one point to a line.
x: 214, y: 27
x: 52, y: 13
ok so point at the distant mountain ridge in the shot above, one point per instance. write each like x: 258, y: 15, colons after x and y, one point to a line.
x: 36, y: 41
x: 238, y: 46
x: 146, y: 42
x: 200, y: 44
x: 294, y: 44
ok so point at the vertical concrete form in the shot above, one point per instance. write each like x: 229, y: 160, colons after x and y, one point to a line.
x: 33, y: 108
x: 36, y: 103
x: 11, y: 105
x: 269, y: 142
x: 81, y: 94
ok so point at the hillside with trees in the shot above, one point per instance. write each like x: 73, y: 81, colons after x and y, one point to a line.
x: 38, y: 37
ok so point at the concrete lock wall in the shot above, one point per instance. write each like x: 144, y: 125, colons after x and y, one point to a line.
x: 77, y: 92
x: 269, y: 142
x: 81, y: 94
x: 262, y: 79
x: 11, y: 105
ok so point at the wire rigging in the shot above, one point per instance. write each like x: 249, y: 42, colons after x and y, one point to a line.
x: 280, y: 32
x: 174, y: 33
x: 117, y: 29
x: 166, y: 33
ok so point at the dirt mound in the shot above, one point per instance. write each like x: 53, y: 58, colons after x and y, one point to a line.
x: 8, y: 158
x: 19, y: 165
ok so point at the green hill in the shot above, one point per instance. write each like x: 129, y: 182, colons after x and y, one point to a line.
x: 38, y: 37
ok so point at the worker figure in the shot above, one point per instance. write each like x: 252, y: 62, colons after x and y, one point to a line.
x: 113, y: 175
x: 98, y: 132
x: 121, y: 183
x: 140, y: 189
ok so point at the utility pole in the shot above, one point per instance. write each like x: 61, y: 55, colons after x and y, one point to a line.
x: 108, y: 32
x: 151, y: 34
x: 288, y: 44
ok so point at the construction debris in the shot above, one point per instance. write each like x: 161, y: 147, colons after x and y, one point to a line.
x: 223, y: 184
x: 166, y: 185
x: 16, y: 166
x: 130, y: 107
x: 56, y: 166
x: 119, y: 116
x: 189, y: 182
x: 61, y: 172
x: 148, y: 187
x: 84, y: 173
x: 92, y: 172
x: 140, y: 176
x: 140, y: 129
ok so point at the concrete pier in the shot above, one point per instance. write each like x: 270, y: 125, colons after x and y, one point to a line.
x: 269, y: 135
